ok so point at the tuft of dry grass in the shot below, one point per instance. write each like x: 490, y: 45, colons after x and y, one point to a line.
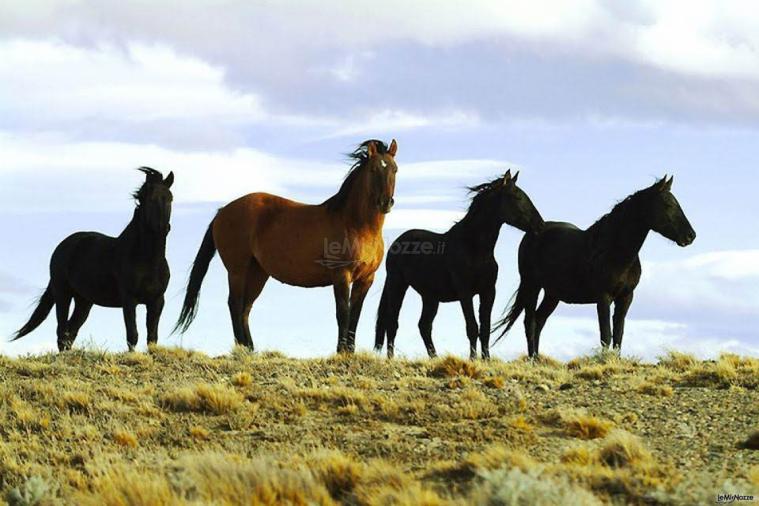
x: 452, y: 367
x: 577, y: 423
x: 622, y: 449
x: 678, y: 361
x: 124, y: 438
x: 215, y: 399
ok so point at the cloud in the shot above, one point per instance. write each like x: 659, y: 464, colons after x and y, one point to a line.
x: 411, y: 62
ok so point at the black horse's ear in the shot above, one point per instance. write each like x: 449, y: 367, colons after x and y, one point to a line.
x: 507, y: 177
x: 514, y: 179
x: 169, y: 180
x: 668, y: 184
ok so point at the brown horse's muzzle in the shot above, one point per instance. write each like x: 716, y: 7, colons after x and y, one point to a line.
x: 386, y: 205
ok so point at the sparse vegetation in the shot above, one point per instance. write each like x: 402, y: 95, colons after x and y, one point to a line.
x: 178, y: 427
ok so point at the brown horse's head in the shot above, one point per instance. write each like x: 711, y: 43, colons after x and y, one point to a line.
x: 380, y: 173
x: 371, y: 179
x: 154, y: 200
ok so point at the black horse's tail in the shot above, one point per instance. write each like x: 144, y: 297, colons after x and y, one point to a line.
x: 380, y: 328
x: 508, y: 321
x: 199, y: 269
x: 44, y: 306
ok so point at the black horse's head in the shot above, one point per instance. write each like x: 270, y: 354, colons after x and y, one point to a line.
x: 381, y: 169
x: 665, y: 215
x: 154, y: 200
x: 508, y: 202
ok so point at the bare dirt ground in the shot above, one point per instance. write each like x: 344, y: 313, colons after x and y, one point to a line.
x: 177, y: 427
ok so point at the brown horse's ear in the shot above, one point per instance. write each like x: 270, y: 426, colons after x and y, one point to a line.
x: 371, y: 149
x: 169, y: 180
x: 393, y: 148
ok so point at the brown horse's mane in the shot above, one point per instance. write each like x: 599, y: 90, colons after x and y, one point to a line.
x: 360, y: 156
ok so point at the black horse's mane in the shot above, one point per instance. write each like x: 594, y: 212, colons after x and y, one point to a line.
x: 479, y: 194
x: 605, y: 225
x: 151, y: 176
x: 359, y: 156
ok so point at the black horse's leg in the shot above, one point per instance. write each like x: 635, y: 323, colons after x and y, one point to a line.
x: 429, y: 311
x: 130, y: 320
x: 81, y: 312
x: 487, y: 298
x: 547, y: 306
x: 154, y: 310
x: 604, y: 321
x: 530, y: 325
x: 397, y: 292
x: 358, y: 294
x: 621, y: 306
x: 472, y: 329
x: 62, y: 309
x: 342, y: 311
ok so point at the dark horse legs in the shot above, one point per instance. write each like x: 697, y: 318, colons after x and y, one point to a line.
x: 546, y: 308
x: 154, y: 310
x: 62, y: 309
x: 429, y: 311
x: 397, y: 289
x: 530, y: 324
x: 486, y: 309
x: 472, y: 329
x: 604, y: 321
x: 621, y: 306
x: 130, y: 320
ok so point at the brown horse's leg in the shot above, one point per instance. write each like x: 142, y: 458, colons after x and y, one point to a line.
x: 256, y: 280
x: 235, y: 301
x: 341, y: 285
x: 358, y: 294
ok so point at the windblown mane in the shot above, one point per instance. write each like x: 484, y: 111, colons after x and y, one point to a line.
x: 479, y: 195
x: 360, y: 157
x: 152, y: 176
x: 603, y: 228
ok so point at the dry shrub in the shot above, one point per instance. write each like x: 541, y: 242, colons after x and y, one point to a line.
x: 205, y: 398
x: 124, y: 438
x: 493, y: 457
x: 242, y: 379
x: 515, y: 487
x: 678, y: 361
x: 199, y: 433
x: 450, y: 367
x: 576, y: 423
x: 655, y: 389
x: 496, y: 382
x: 207, y: 480
x: 622, y: 449
x: 76, y: 402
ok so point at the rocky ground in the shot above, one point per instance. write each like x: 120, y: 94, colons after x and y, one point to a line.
x: 177, y: 427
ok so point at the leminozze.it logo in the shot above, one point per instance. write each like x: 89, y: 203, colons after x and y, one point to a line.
x: 731, y: 498
x: 335, y: 253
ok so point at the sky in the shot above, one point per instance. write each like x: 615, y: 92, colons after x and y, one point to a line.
x: 591, y: 100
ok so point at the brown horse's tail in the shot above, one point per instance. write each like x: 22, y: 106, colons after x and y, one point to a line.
x: 508, y: 321
x: 199, y: 269
x: 380, y: 328
x: 44, y: 306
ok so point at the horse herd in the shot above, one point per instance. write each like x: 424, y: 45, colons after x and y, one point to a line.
x: 339, y: 243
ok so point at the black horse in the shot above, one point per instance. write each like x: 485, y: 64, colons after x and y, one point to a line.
x: 124, y: 271
x: 454, y: 266
x: 599, y: 265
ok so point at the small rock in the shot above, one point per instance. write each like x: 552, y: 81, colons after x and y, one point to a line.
x: 542, y: 387
x: 565, y: 386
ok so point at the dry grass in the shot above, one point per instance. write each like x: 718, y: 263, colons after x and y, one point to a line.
x: 176, y: 427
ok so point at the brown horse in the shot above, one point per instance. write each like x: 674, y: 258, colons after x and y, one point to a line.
x: 338, y: 243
